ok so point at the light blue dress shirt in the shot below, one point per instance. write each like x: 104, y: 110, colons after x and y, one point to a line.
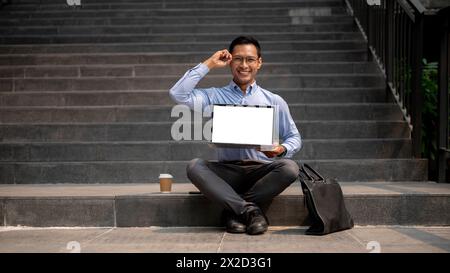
x: 184, y: 92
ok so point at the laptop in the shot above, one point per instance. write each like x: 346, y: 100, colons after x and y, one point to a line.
x: 244, y: 126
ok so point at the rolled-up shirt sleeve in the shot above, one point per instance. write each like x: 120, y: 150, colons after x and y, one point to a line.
x: 289, y: 135
x: 184, y: 91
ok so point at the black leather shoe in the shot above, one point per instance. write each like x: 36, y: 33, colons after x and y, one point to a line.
x: 256, y: 221
x: 233, y: 223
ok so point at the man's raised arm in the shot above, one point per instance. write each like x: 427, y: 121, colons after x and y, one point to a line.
x: 183, y: 92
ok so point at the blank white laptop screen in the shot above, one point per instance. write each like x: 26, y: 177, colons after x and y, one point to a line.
x: 243, y: 125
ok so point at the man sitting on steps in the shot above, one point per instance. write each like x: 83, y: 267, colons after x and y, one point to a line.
x: 242, y: 180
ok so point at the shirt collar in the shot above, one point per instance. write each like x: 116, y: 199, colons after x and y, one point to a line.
x: 249, y: 90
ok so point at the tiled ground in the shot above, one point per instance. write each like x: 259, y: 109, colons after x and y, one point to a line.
x: 212, y: 240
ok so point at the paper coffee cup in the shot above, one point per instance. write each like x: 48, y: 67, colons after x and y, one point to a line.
x: 165, y: 182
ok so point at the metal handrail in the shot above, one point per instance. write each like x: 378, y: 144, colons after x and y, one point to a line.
x: 402, y: 68
x: 443, y: 139
x: 418, y: 6
x: 394, y: 32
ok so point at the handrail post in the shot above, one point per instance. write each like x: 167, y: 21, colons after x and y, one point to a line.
x: 416, y: 88
x: 389, y: 62
x: 368, y: 30
x: 442, y: 138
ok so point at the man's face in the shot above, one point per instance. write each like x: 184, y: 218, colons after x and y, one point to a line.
x: 245, y: 64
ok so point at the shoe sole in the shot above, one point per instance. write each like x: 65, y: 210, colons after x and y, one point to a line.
x: 257, y: 231
x: 236, y: 231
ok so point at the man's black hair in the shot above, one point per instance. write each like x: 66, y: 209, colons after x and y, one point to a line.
x: 245, y: 40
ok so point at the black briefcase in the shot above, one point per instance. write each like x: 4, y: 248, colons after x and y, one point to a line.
x: 325, y: 203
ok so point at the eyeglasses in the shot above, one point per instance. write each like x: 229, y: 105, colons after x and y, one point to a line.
x: 248, y: 60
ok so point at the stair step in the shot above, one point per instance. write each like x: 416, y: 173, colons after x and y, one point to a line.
x: 223, y: 11
x: 174, y: 57
x: 109, y: 21
x: 186, y: 150
x: 82, y: 71
x: 271, y: 82
x: 179, y: 37
x: 369, y: 111
x: 30, y: 2
x: 61, y: 6
x: 189, y: 28
x: 93, y: 98
x: 140, y: 205
x: 148, y: 171
x: 167, y: 47
x: 67, y: 132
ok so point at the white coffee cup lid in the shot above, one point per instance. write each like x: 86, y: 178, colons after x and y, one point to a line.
x: 165, y: 175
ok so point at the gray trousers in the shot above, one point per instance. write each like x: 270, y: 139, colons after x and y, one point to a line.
x: 235, y: 185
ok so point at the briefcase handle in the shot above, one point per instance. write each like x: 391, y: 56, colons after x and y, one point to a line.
x: 304, y: 167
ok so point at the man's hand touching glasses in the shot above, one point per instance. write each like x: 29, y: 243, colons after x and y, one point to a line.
x: 219, y: 59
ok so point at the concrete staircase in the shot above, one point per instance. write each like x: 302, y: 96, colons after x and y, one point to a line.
x: 84, y: 102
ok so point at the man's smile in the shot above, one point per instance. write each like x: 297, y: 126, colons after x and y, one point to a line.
x: 244, y: 73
